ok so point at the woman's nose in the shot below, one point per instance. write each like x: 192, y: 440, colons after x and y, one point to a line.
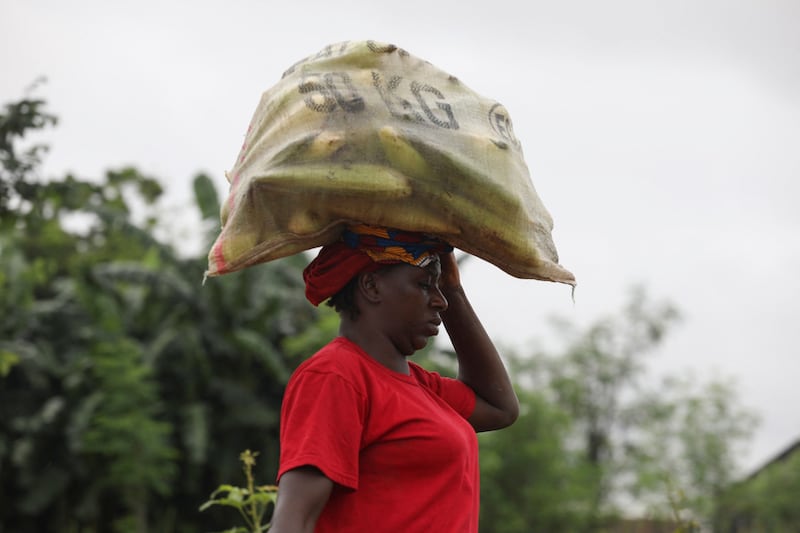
x: 439, y: 301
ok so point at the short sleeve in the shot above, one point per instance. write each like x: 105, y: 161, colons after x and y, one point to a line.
x: 455, y: 393
x: 322, y: 421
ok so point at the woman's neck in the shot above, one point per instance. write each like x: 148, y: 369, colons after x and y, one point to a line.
x: 375, y: 345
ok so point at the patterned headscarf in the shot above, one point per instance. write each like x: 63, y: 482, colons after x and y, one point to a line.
x: 364, y: 248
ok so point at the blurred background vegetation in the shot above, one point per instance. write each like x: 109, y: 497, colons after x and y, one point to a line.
x: 128, y: 388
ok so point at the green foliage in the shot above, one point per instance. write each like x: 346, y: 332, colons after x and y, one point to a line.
x: 7, y: 361
x: 124, y: 440
x: 125, y: 383
x: 530, y: 481
x: 17, y: 120
x: 595, y: 437
x: 684, y: 441
x: 598, y: 364
x: 682, y: 510
x: 252, y: 501
x: 595, y: 377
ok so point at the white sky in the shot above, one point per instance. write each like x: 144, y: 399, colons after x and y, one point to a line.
x: 663, y: 136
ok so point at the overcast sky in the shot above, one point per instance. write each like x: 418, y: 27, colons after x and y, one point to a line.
x: 663, y: 137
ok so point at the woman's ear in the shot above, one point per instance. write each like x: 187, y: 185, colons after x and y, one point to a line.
x: 368, y: 287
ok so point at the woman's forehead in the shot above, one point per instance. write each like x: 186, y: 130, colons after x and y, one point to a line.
x: 432, y: 268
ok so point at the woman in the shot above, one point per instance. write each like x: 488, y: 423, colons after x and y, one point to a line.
x: 371, y: 442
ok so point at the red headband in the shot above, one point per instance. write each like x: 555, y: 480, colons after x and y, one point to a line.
x: 333, y: 268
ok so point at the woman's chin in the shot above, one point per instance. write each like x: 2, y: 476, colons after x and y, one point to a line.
x: 420, y: 343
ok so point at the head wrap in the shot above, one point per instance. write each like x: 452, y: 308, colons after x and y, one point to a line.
x: 364, y: 248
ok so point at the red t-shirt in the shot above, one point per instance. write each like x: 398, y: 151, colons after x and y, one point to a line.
x: 398, y: 448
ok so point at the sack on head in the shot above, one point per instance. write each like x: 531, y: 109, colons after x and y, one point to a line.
x: 364, y: 132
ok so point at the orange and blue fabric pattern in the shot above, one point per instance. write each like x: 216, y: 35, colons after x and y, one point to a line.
x: 394, y: 246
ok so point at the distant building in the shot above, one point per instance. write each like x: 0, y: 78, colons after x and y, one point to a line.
x: 766, y: 501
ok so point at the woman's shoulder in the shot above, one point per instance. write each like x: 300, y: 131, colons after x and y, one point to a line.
x: 425, y: 377
x: 339, y: 357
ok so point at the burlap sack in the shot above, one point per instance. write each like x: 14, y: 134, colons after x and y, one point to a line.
x: 366, y: 132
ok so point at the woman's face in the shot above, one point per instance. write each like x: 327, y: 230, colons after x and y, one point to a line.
x: 411, y: 303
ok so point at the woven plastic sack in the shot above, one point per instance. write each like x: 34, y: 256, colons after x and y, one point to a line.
x: 366, y: 132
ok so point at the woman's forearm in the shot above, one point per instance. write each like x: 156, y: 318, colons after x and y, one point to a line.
x: 479, y: 363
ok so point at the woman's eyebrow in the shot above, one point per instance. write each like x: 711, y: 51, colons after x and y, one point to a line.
x: 433, y: 272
